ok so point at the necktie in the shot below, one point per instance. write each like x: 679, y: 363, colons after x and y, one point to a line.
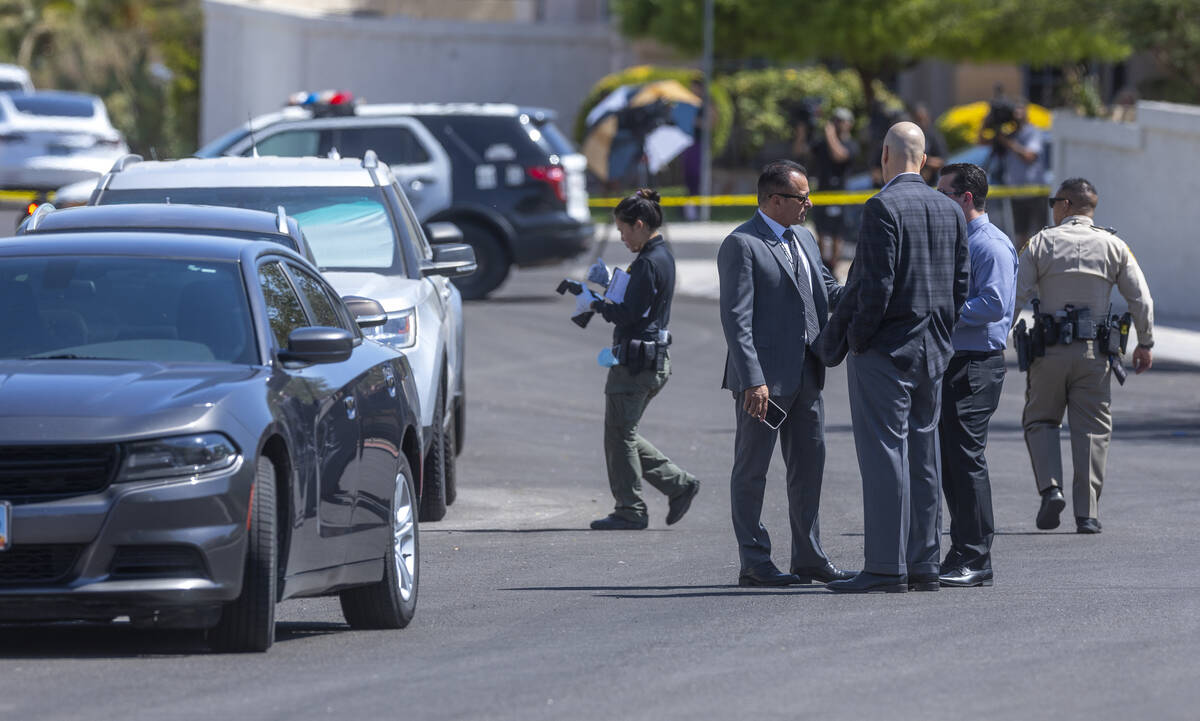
x: 811, y: 329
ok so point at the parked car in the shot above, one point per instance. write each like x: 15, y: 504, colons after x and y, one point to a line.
x: 505, y: 175
x: 51, y: 138
x: 367, y: 242
x: 194, y: 427
x: 14, y: 77
x: 175, y: 218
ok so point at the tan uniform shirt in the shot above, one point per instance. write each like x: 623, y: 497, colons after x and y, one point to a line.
x: 1078, y: 263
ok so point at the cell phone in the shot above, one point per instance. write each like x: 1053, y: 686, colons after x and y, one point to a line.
x: 775, y: 415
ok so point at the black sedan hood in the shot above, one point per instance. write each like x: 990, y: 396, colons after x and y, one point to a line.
x: 66, y: 400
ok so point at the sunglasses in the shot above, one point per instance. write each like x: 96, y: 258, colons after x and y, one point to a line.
x: 1051, y: 201
x: 801, y: 198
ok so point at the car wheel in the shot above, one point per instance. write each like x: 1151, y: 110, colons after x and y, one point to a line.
x: 433, y: 492
x: 248, y: 622
x: 460, y: 424
x: 391, y: 602
x: 491, y: 261
x: 449, y: 454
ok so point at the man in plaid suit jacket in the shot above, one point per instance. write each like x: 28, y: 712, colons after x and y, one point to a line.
x: 902, y: 298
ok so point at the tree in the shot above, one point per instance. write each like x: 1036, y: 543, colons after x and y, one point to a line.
x: 1169, y: 30
x: 142, y: 57
x: 878, y: 39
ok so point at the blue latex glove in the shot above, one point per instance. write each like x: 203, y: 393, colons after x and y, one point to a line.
x: 598, y: 273
x: 606, y: 359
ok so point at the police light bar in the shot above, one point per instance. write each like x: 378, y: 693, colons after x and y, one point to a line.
x: 329, y: 102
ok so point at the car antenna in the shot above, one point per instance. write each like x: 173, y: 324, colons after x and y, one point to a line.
x: 253, y: 142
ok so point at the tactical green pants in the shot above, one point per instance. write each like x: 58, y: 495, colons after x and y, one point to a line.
x: 630, y: 457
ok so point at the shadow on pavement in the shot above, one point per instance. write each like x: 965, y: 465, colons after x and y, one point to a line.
x: 533, y: 530
x: 82, y: 640
x: 685, y: 591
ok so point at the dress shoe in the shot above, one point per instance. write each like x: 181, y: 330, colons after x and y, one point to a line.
x: 766, y: 575
x: 613, y: 522
x: 923, y: 582
x: 865, y: 582
x: 822, y: 574
x: 1052, y: 505
x: 1087, y: 525
x: 679, y: 505
x: 964, y: 577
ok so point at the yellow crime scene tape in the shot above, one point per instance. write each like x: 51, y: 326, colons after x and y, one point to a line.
x: 827, y: 197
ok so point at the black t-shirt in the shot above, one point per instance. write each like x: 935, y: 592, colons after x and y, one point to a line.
x: 831, y: 175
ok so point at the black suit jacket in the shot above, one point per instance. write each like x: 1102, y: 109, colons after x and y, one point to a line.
x: 762, y: 312
x: 908, y: 280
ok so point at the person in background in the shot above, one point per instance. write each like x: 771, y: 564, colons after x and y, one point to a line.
x: 640, y: 340
x: 1021, y: 148
x: 935, y: 143
x: 971, y: 385
x: 833, y: 152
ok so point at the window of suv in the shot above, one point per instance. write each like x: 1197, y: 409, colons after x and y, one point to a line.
x: 394, y: 144
x: 346, y: 228
x: 486, y: 138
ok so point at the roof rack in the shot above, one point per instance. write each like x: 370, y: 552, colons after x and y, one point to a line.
x: 125, y: 161
x: 31, y: 223
x: 281, y: 219
x: 370, y: 159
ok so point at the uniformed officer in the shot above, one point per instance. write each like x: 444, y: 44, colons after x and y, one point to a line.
x: 1076, y: 263
x: 640, y: 341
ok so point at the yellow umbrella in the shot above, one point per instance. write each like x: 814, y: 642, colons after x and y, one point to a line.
x: 967, y: 120
x: 597, y: 144
x: 671, y: 90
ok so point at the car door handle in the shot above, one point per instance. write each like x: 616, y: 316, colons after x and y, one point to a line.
x: 351, y: 407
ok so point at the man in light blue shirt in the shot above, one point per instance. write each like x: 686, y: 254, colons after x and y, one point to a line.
x: 972, y: 384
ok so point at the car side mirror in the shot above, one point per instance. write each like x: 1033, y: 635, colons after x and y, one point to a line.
x: 442, y: 232
x: 318, y: 344
x: 367, y: 312
x: 452, y: 261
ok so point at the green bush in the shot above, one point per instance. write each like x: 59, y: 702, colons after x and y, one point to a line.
x: 641, y: 74
x: 766, y: 100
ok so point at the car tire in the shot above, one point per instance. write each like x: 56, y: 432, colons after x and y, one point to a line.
x: 449, y: 454
x: 391, y: 602
x: 248, y: 622
x: 433, y: 491
x: 491, y: 261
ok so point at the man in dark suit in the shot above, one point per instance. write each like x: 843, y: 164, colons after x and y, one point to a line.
x: 775, y: 298
x: 902, y: 298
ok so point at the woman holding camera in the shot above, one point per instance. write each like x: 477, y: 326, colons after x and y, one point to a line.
x: 640, y: 341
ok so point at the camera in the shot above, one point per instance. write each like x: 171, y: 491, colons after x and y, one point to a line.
x: 574, y: 287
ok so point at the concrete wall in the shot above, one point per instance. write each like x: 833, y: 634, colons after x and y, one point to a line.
x: 1146, y: 175
x: 255, y: 57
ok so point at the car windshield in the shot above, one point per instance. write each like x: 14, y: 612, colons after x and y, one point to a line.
x: 57, y: 105
x: 124, y: 308
x: 346, y: 228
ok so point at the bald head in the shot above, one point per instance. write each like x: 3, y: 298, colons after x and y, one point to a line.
x: 903, y: 150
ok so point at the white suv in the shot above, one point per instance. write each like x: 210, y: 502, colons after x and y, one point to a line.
x: 367, y: 242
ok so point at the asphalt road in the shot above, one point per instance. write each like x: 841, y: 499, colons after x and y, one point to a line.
x: 524, y: 614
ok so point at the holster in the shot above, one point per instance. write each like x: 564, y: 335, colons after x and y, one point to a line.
x: 1024, y: 346
x: 638, y: 355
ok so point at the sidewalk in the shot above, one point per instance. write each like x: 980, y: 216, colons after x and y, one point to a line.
x: 696, y: 277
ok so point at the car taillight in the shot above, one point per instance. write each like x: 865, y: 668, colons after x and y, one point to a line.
x: 553, y: 176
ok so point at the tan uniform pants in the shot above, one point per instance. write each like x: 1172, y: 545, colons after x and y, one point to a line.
x: 1069, y: 378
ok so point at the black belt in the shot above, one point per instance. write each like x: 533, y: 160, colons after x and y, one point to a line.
x: 978, y: 354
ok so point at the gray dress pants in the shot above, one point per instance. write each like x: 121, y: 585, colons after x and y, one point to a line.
x: 802, y: 441
x: 895, y: 415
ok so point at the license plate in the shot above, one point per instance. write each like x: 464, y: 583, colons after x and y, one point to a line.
x: 5, y: 523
